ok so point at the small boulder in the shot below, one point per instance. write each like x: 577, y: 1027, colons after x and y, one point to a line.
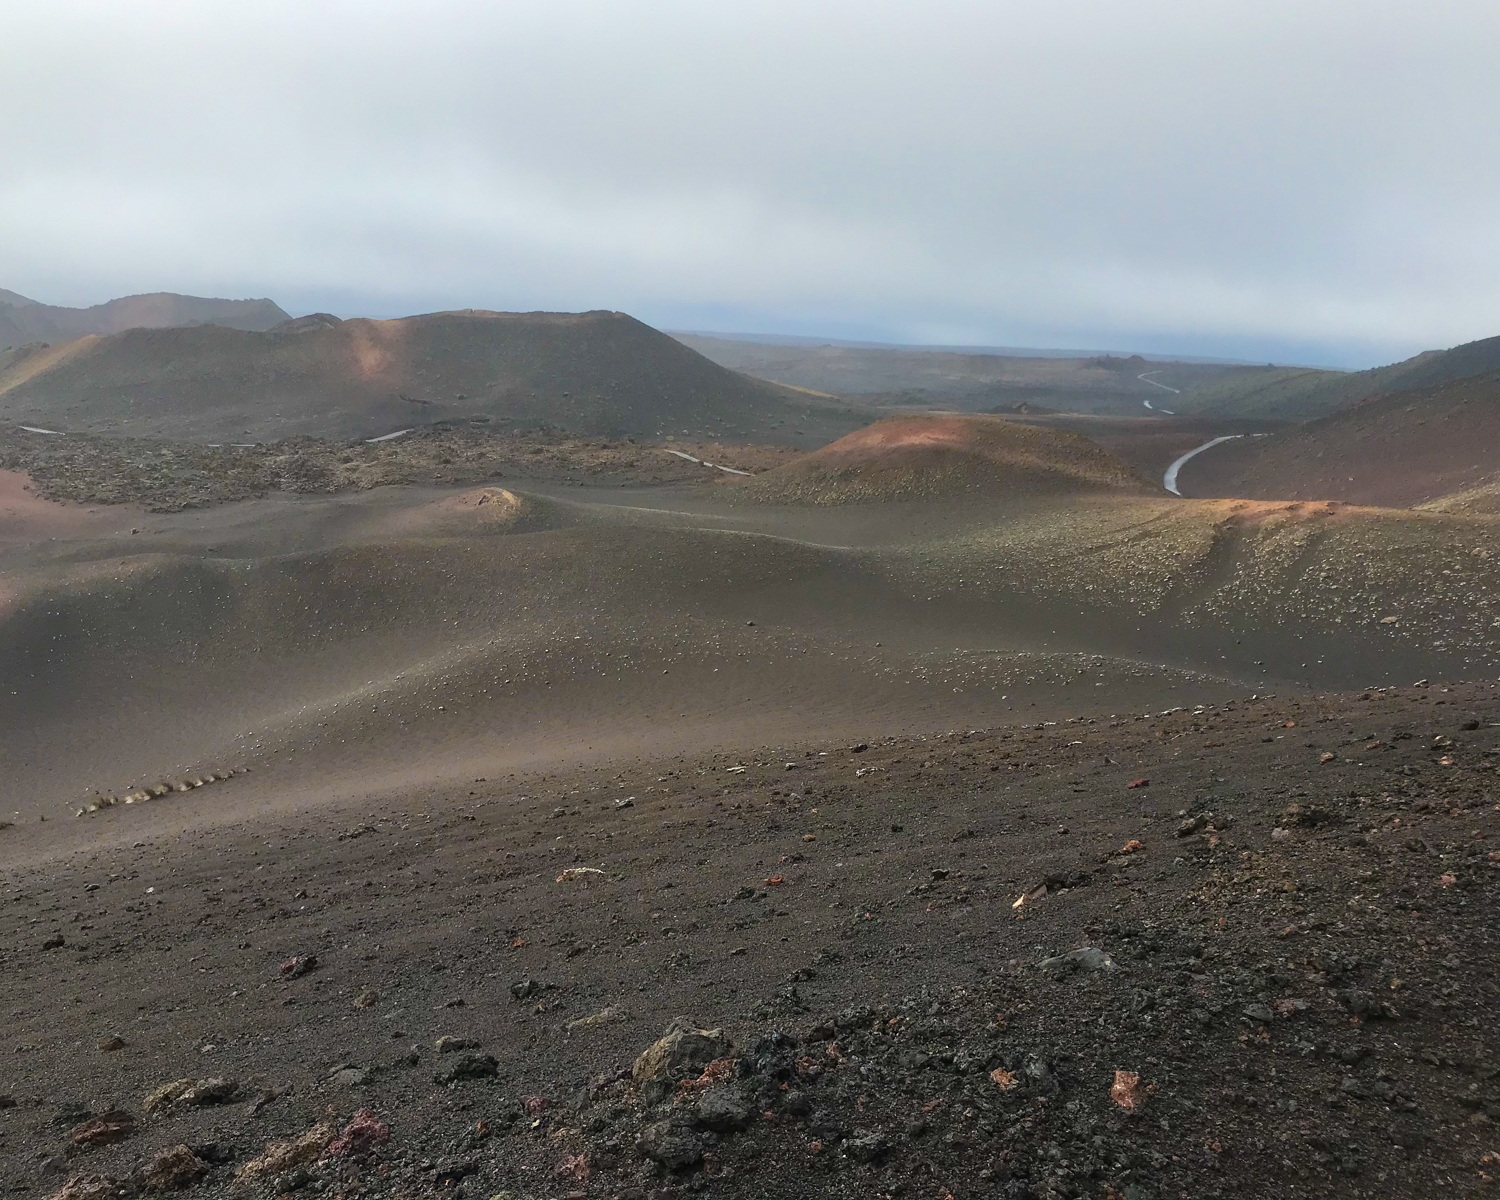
x: 721, y: 1110
x: 280, y: 1157
x: 103, y: 1130
x: 207, y: 1092
x: 175, y: 1168
x: 364, y: 1132
x: 672, y: 1143
x: 1364, y: 1004
x: 682, y: 1052
x: 298, y: 965
x: 469, y: 1066
x: 167, y: 1095
x: 1307, y: 816
x: 1085, y: 958
x: 524, y: 989
x: 867, y: 1147
x: 87, y: 1187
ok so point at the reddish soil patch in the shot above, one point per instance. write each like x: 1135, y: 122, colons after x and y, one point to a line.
x: 27, y: 517
x: 946, y: 454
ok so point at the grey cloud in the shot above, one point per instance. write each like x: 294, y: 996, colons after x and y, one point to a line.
x: 1308, y: 180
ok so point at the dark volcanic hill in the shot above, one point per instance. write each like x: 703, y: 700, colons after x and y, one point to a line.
x: 23, y: 320
x: 1401, y: 450
x: 598, y: 373
x: 1301, y: 394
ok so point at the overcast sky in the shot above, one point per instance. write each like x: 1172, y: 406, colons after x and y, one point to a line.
x: 1299, y: 180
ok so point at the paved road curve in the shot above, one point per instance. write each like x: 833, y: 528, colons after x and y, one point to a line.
x: 1145, y: 377
x: 1169, y: 480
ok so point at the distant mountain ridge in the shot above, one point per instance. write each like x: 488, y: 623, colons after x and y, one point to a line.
x: 24, y: 321
x: 596, y: 373
x: 954, y: 379
x: 691, y: 336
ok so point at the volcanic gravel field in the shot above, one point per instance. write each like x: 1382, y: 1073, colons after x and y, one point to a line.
x: 1245, y: 950
x: 947, y: 814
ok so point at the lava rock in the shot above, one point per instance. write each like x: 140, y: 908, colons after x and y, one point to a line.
x: 1085, y: 958
x: 672, y: 1143
x: 208, y: 1092
x: 87, y: 1187
x: 683, y: 1051
x: 362, y: 1134
x: 451, y: 1174
x: 469, y: 1066
x: 1363, y: 1004
x: 773, y: 1054
x: 722, y: 1110
x: 524, y: 989
x: 867, y: 1147
x: 175, y: 1168
x: 103, y: 1130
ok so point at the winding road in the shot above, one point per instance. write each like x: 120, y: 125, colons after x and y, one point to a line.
x: 387, y: 437
x: 703, y: 463
x: 1145, y: 377
x: 1169, y: 480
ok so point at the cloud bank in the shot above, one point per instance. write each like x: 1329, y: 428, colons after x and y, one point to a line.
x: 1310, y: 181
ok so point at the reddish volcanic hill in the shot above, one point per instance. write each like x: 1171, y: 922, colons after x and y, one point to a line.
x: 939, y: 456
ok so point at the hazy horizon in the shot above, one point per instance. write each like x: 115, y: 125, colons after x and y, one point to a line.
x: 1261, y: 182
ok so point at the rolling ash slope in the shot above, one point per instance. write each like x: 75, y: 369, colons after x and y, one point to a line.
x: 1404, y: 449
